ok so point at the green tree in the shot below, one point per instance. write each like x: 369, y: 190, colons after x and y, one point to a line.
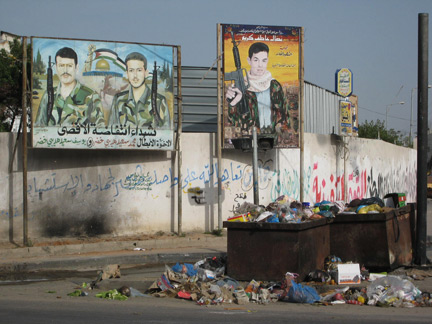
x: 38, y: 65
x: 11, y: 83
x: 377, y: 130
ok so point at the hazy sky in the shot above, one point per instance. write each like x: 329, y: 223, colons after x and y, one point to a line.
x: 376, y: 39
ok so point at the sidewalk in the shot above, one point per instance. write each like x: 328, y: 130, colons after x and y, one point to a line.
x: 91, y: 254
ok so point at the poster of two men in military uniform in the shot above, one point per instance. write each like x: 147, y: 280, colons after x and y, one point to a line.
x: 91, y: 94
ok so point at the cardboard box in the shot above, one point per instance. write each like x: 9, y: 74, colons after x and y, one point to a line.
x: 349, y: 274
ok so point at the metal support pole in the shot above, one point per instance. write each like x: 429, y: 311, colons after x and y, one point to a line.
x: 179, y: 148
x: 255, y: 165
x: 345, y: 193
x: 422, y: 106
x: 301, y: 139
x: 24, y: 141
x: 411, y: 118
x: 219, y: 126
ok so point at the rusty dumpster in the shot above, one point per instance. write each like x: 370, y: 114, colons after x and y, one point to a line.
x: 266, y: 251
x: 380, y: 242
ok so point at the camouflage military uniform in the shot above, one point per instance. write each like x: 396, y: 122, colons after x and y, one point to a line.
x: 279, y: 109
x: 82, y: 106
x: 125, y: 111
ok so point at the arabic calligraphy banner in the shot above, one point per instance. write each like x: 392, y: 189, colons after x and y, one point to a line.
x: 102, y: 95
x: 262, y: 69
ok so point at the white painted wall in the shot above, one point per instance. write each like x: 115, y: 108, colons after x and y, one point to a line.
x: 117, y: 192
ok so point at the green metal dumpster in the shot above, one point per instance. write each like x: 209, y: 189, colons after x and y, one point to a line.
x: 266, y: 251
x: 380, y: 242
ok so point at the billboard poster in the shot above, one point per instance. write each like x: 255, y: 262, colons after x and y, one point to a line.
x: 261, y: 83
x: 102, y: 95
x: 345, y: 118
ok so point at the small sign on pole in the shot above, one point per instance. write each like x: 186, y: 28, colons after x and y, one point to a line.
x: 345, y: 118
x: 344, y: 82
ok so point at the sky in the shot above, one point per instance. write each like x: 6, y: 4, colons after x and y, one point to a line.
x: 376, y: 39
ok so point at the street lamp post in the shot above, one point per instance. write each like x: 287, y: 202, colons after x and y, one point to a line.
x: 388, y: 106
x: 411, y: 118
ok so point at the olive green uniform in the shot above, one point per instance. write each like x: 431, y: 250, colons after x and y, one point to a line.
x: 82, y: 106
x: 126, y: 111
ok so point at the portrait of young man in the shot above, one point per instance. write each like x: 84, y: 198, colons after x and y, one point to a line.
x: 138, y: 106
x: 73, y: 102
x: 264, y: 97
x: 262, y: 77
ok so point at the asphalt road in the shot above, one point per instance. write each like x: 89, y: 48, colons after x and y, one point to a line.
x: 29, y: 308
x: 47, y: 301
x: 155, y: 310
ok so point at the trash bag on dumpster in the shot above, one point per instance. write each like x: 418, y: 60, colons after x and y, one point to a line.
x: 371, y: 201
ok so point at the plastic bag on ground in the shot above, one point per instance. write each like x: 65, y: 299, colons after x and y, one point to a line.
x: 228, y: 282
x: 136, y: 293
x: 391, y: 290
x: 210, y: 268
x: 302, y: 294
x: 186, y: 268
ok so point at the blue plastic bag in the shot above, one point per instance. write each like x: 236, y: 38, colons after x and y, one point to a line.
x: 302, y: 294
x: 273, y: 219
x: 186, y: 268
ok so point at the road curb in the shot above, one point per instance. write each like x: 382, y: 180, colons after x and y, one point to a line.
x: 70, y: 249
x: 98, y: 262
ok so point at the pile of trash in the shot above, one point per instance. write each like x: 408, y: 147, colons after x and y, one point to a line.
x: 111, y: 271
x: 372, y: 205
x: 330, y: 273
x: 386, y: 291
x: 205, y: 284
x: 286, y: 210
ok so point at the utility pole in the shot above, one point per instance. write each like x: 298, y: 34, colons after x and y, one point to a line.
x: 422, y: 107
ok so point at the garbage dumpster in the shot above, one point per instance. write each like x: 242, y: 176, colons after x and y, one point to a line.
x: 266, y: 251
x: 380, y: 242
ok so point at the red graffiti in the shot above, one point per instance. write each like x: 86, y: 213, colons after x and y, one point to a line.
x: 316, y: 190
x: 335, y: 190
x: 359, y: 189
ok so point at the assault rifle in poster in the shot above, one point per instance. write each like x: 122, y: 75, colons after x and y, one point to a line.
x: 238, y: 77
x: 50, y: 91
x: 154, y: 111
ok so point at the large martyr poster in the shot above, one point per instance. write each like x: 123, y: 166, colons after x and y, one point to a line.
x: 102, y: 95
x: 262, y: 73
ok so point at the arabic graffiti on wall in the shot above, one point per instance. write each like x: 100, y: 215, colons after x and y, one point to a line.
x: 319, y: 184
x: 363, y: 184
x: 265, y: 175
x: 146, y: 180
x: 281, y: 182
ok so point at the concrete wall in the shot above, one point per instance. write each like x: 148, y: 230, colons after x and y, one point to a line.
x: 83, y: 192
